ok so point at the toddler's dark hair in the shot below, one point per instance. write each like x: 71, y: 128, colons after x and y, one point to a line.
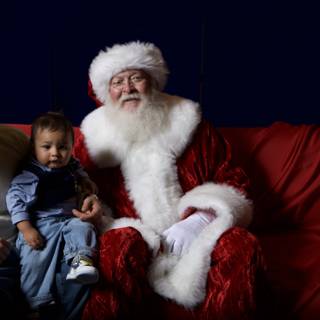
x: 52, y: 121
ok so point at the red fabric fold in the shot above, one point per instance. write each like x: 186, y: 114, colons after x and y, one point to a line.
x: 123, y: 290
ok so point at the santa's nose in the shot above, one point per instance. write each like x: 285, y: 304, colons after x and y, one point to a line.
x: 127, y: 86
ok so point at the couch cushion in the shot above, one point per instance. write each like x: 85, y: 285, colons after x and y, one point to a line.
x: 13, y: 148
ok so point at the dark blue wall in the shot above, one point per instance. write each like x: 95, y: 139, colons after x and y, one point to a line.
x: 248, y: 65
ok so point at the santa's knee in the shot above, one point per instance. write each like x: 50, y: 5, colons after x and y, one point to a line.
x: 123, y: 254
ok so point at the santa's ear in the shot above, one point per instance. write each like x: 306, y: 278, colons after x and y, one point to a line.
x: 92, y: 95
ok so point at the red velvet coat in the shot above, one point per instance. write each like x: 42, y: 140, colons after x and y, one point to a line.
x: 205, y: 177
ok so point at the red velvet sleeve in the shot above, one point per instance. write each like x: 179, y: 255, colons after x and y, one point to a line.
x: 81, y: 153
x: 209, y: 159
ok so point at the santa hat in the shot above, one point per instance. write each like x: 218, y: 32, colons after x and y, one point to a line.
x: 120, y: 57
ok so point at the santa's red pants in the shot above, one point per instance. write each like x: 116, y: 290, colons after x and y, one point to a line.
x: 236, y: 275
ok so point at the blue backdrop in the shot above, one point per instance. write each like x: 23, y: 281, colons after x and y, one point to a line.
x: 248, y: 65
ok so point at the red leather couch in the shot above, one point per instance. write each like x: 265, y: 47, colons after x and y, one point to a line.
x: 283, y: 163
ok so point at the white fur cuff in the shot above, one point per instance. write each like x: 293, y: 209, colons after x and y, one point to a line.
x: 222, y: 198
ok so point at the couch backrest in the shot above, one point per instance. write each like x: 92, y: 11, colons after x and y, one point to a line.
x: 283, y: 164
x: 14, y: 146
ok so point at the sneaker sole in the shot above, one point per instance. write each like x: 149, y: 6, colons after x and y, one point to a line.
x: 84, y: 278
x: 87, y: 279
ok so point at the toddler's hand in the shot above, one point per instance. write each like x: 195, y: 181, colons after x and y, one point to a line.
x: 33, y: 238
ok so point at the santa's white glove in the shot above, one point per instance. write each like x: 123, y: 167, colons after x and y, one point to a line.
x: 178, y: 238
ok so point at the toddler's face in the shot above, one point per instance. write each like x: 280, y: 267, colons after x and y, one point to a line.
x: 52, y: 148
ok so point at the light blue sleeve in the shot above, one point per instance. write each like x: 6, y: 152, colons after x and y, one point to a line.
x: 21, y: 195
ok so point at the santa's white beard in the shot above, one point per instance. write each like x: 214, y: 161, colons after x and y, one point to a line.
x: 142, y: 123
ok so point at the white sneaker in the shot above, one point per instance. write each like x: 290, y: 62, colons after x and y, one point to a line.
x: 82, y: 270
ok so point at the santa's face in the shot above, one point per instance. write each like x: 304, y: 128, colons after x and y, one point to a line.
x: 127, y: 88
x: 142, y: 122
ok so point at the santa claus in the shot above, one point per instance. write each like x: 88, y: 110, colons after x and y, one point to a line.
x: 173, y: 231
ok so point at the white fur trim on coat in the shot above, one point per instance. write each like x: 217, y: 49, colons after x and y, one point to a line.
x: 121, y: 57
x: 105, y: 145
x: 225, y: 200
x: 183, y: 279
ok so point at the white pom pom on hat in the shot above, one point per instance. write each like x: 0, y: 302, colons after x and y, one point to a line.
x: 120, y: 57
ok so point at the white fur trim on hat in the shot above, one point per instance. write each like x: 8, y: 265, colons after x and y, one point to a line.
x: 120, y: 57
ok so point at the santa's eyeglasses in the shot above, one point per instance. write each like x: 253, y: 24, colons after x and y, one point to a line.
x: 119, y: 83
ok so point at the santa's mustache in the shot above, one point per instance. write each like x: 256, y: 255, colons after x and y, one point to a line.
x: 131, y: 96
